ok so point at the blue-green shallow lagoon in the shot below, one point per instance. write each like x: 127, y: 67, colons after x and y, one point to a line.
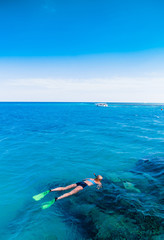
x: 44, y: 145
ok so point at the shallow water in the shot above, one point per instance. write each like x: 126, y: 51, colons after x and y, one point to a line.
x: 44, y: 145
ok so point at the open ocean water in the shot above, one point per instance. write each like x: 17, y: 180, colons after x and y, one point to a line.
x: 45, y: 145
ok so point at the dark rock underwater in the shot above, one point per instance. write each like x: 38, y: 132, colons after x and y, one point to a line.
x: 117, y: 212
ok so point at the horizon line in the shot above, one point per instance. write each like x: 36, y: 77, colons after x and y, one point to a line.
x: 79, y: 102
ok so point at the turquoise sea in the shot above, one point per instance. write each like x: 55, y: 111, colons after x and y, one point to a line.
x: 45, y: 145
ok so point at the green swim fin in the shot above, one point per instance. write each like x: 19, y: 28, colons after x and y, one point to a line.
x: 48, y: 204
x: 40, y: 195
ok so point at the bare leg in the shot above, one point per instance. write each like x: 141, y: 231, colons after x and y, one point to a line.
x: 64, y: 188
x: 74, y: 191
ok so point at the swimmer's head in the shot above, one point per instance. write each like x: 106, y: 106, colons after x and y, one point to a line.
x: 99, y: 177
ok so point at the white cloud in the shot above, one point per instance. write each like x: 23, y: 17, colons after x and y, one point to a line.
x: 122, y: 78
x: 109, y: 89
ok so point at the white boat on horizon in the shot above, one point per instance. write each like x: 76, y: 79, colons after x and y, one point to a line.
x: 101, y: 104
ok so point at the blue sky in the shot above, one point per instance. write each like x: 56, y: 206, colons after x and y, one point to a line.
x: 78, y: 44
x: 67, y: 28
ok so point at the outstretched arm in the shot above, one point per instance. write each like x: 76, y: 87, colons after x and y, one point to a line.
x: 99, y: 186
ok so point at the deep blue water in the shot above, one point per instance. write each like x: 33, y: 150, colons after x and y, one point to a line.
x: 44, y: 145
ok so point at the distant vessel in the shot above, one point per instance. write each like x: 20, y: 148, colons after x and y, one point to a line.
x: 101, y: 104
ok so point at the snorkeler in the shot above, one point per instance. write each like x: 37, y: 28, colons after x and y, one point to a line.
x: 79, y: 186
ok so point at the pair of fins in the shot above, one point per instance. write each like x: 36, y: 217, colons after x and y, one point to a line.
x: 42, y: 195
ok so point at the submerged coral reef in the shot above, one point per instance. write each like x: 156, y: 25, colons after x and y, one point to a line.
x: 122, y: 209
